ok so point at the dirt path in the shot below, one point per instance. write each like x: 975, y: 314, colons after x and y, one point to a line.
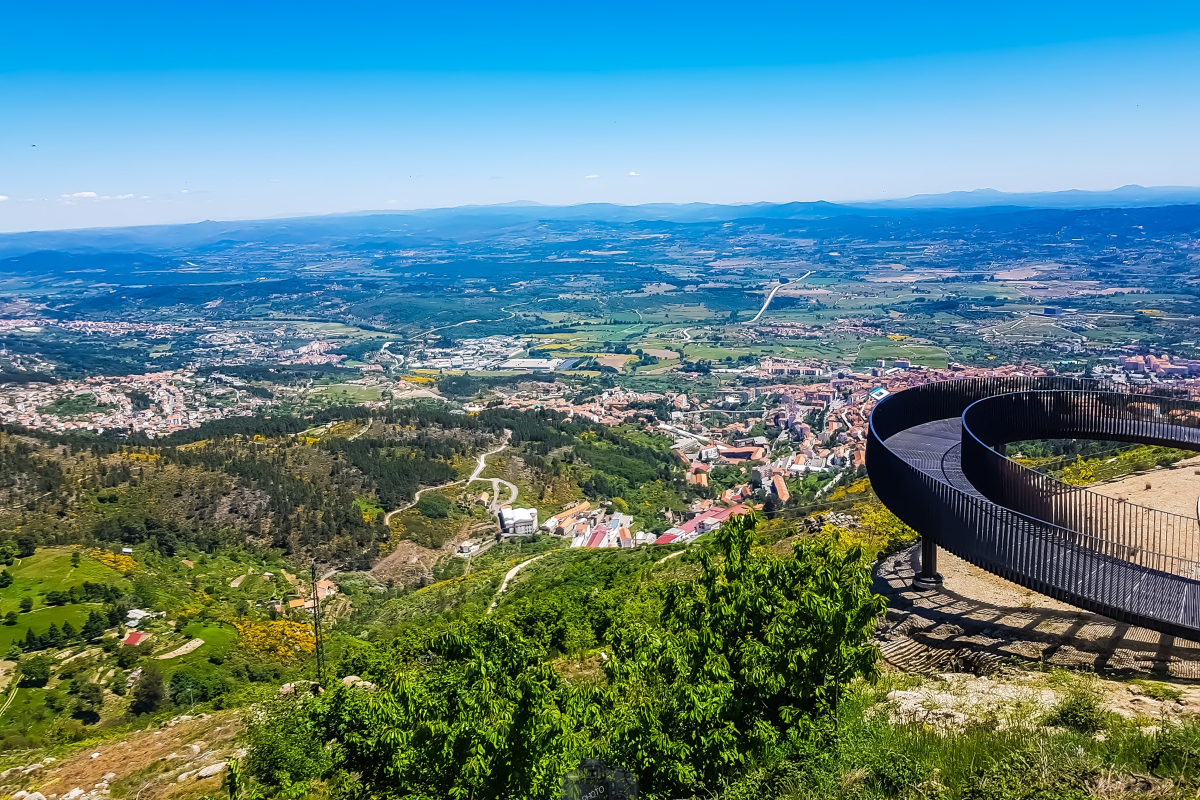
x: 667, y: 558
x: 511, y: 574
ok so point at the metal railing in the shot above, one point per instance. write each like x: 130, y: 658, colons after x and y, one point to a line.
x: 1088, y: 568
x: 1153, y: 538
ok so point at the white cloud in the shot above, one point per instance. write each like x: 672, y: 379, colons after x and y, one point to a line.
x: 633, y: 174
x: 591, y: 176
x: 183, y: 191
x: 80, y: 194
x: 124, y: 197
x: 3, y: 197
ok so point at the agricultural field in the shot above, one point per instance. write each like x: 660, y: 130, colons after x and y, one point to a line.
x: 344, y: 394
x: 925, y: 355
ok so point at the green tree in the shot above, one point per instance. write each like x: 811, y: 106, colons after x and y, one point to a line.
x: 90, y: 699
x: 5, y: 579
x: 149, y: 692
x: 279, y: 738
x: 489, y: 718
x: 53, y: 637
x: 755, y: 655
x: 10, y: 618
x: 35, y: 671
x: 129, y: 655
x: 117, y: 682
x: 196, y: 684
x: 26, y: 604
x: 69, y: 634
x: 95, y: 626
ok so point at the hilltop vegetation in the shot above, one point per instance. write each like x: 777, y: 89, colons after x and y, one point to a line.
x: 741, y: 669
x: 743, y: 666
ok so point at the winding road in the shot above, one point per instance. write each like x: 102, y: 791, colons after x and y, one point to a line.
x: 771, y: 297
x: 479, y: 467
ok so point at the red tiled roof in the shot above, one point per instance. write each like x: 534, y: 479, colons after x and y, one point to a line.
x: 135, y: 638
x: 712, y: 515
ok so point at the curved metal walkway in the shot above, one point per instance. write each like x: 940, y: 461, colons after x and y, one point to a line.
x: 935, y: 457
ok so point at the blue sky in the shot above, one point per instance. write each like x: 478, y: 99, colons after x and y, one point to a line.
x: 149, y: 113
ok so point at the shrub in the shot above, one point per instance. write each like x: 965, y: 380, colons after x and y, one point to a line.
x: 279, y: 736
x: 895, y: 771
x: 1079, y: 710
x: 195, y: 684
x: 434, y: 506
x: 72, y: 730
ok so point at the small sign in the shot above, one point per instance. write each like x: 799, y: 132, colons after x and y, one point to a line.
x: 595, y: 780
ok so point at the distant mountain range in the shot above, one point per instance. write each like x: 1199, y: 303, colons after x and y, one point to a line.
x: 462, y: 221
x: 1125, y: 197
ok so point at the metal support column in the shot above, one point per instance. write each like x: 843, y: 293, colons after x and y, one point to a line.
x: 928, y: 578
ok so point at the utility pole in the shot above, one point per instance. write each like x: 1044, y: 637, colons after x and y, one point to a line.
x: 317, y: 628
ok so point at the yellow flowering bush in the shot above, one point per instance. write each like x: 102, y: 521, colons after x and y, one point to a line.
x: 281, y: 640
x: 121, y: 563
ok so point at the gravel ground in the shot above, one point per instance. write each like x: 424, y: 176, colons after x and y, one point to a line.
x: 978, y: 622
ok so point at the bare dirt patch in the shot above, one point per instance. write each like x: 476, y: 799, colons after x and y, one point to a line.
x: 182, y: 650
x: 1172, y: 489
x: 408, y: 564
x: 616, y: 362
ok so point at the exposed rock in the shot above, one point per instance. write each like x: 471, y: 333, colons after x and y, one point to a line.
x: 211, y: 770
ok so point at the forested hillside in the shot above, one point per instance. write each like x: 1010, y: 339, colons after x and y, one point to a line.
x: 743, y: 666
x: 314, y: 487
